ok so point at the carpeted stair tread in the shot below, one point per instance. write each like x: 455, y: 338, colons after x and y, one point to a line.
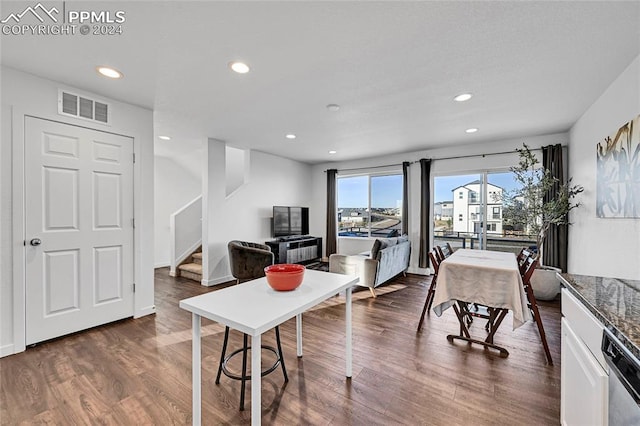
x: 191, y: 267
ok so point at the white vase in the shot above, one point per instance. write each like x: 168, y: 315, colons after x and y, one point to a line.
x: 544, y: 282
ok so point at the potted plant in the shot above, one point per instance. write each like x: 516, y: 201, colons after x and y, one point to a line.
x: 533, y: 209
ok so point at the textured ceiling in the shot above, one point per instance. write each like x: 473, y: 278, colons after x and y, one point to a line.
x: 393, y: 67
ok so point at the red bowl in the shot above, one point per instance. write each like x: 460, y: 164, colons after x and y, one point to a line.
x: 285, y: 276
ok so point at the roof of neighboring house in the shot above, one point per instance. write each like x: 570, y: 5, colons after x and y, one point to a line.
x: 475, y: 182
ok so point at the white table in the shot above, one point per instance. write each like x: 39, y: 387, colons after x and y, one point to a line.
x: 253, y: 308
x: 488, y: 278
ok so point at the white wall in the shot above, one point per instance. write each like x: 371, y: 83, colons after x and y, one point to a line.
x: 603, y: 247
x: 246, y: 213
x: 25, y: 94
x: 236, y: 168
x: 439, y: 166
x: 178, y: 180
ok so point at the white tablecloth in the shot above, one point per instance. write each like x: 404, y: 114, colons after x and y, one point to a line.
x: 485, y: 277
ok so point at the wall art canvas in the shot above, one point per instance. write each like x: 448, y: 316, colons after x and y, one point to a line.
x: 618, y: 173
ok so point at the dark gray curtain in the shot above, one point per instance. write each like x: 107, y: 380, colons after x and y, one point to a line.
x: 555, y: 244
x: 331, y: 212
x: 405, y: 198
x: 425, y: 207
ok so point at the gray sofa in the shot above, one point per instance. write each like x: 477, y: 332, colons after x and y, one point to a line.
x: 388, y: 258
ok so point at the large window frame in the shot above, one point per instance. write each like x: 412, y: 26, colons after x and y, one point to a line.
x: 486, y: 218
x: 368, y: 231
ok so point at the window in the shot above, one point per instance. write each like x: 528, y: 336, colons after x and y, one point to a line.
x: 484, y: 191
x: 370, y: 205
x: 496, y: 213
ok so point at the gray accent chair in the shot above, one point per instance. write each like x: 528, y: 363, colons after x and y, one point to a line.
x: 248, y: 260
x: 388, y: 258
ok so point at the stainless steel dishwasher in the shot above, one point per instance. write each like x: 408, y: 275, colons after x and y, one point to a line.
x: 624, y: 382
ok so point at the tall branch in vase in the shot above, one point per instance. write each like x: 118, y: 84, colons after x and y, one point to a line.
x: 531, y: 206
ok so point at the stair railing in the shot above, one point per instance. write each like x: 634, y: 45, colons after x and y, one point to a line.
x: 185, y: 233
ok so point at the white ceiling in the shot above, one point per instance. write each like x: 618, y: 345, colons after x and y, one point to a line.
x: 393, y: 67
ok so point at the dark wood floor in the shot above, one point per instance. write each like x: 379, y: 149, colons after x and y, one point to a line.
x: 139, y: 371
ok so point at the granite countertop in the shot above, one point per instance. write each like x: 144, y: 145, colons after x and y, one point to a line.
x: 613, y: 301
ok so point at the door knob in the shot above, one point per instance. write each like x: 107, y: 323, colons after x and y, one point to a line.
x: 35, y: 242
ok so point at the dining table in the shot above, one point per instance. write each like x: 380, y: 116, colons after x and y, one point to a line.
x: 254, y: 307
x: 474, y: 281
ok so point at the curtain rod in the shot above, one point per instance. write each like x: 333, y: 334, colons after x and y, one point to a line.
x: 441, y: 158
x: 374, y: 167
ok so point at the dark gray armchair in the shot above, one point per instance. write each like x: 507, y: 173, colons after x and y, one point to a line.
x: 248, y: 260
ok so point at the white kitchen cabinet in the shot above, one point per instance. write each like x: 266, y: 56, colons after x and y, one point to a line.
x: 584, y: 380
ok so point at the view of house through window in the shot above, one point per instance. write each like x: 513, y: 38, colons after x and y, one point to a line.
x: 370, y: 205
x: 468, y: 212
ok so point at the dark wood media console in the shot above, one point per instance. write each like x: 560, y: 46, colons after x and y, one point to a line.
x: 296, y: 249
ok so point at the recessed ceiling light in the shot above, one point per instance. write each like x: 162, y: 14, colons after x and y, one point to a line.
x: 290, y: 136
x: 332, y: 152
x: 239, y: 67
x: 463, y: 97
x: 471, y: 130
x: 333, y: 107
x: 109, y: 72
x: 164, y: 138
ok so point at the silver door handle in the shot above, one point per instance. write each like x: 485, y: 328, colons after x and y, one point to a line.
x: 35, y: 242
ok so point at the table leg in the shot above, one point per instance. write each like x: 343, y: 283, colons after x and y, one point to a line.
x: 498, y: 316
x: 196, y: 370
x: 348, y: 332
x: 256, y: 376
x: 495, y: 318
x: 299, y: 335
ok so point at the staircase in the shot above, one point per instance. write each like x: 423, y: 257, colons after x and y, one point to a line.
x: 193, y: 269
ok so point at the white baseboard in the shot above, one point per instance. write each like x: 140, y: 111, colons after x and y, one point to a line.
x: 161, y: 265
x: 216, y: 281
x: 7, y: 350
x: 145, y: 311
x: 418, y: 271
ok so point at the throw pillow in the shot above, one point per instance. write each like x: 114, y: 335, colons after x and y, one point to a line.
x: 375, y: 249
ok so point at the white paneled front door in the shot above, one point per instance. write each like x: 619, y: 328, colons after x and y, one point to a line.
x: 79, y: 228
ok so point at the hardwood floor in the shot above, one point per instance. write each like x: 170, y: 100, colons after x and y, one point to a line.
x: 139, y: 371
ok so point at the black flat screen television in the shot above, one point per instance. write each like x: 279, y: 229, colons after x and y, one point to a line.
x: 288, y: 221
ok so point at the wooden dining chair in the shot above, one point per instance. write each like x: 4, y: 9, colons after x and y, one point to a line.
x: 439, y: 253
x: 432, y: 287
x: 443, y: 251
x: 522, y: 258
x: 450, y: 249
x: 530, y: 266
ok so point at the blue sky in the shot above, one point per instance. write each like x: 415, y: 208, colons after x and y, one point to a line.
x: 386, y: 191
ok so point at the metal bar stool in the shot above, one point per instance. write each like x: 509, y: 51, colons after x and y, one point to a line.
x: 222, y: 367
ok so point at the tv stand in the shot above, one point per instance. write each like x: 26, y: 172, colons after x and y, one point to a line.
x: 296, y: 249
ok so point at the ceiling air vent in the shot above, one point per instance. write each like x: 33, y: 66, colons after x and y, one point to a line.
x: 78, y: 106
x: 69, y: 103
x: 101, y: 111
